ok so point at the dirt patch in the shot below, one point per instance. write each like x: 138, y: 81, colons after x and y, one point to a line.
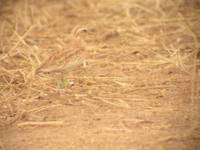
x: 99, y: 75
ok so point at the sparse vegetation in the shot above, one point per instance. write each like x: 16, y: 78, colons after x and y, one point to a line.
x: 134, y: 60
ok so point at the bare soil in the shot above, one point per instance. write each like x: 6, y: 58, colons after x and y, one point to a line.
x: 138, y: 89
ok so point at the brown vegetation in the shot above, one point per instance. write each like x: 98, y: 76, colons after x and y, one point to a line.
x: 121, y: 74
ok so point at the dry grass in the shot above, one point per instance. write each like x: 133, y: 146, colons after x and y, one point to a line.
x: 29, y: 70
x: 40, y: 124
x: 24, y: 67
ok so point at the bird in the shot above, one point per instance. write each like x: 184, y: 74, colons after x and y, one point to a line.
x: 68, y: 58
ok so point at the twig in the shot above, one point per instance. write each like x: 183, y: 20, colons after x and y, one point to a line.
x: 43, y: 108
x: 40, y: 124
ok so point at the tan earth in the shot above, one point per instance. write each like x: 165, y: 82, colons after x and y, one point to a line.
x: 131, y: 82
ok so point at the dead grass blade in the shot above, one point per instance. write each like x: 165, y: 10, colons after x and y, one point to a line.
x: 41, y: 124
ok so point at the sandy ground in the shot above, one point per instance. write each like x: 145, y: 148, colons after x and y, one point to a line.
x: 137, y: 90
